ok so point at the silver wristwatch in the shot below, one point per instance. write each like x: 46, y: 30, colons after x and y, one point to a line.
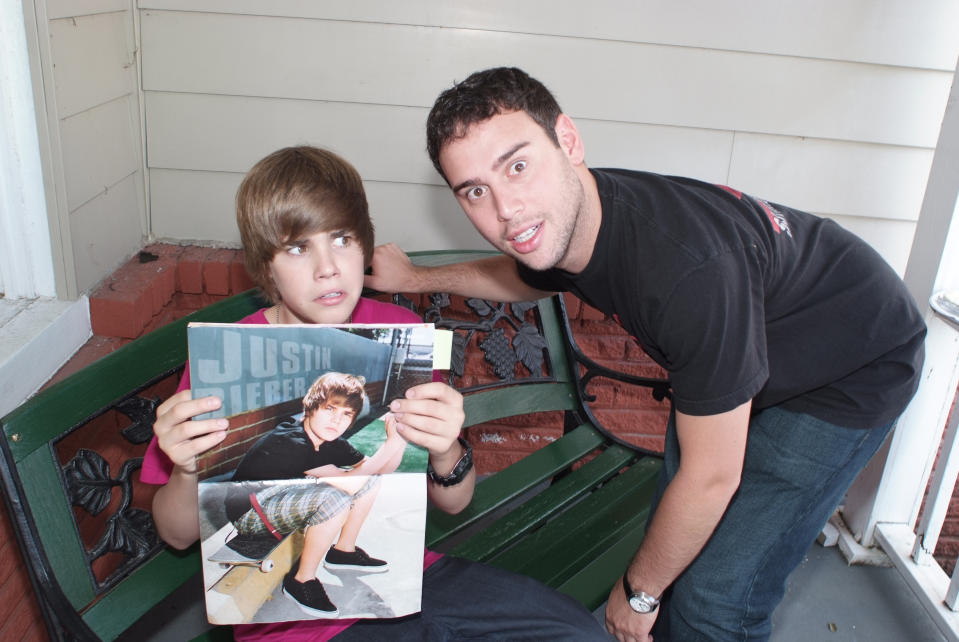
x: 640, y: 602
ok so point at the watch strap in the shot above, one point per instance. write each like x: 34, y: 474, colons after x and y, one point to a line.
x: 459, y: 471
x: 653, y: 602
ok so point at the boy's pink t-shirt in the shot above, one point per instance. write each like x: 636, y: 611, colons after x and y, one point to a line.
x: 157, y: 467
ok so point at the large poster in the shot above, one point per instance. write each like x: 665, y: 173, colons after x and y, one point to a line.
x: 313, y: 506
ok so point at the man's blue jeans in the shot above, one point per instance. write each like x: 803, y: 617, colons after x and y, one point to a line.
x: 797, y: 470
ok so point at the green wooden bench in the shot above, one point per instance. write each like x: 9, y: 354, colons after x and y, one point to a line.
x: 570, y: 514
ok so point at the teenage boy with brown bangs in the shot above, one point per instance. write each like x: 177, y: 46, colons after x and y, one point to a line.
x: 308, y: 237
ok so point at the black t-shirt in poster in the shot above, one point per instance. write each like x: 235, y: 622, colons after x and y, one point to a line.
x: 738, y: 299
x: 287, y: 453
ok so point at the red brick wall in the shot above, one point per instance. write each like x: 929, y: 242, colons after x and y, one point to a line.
x: 163, y: 283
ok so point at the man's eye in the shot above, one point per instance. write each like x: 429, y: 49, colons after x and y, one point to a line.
x: 475, y: 193
x: 517, y: 167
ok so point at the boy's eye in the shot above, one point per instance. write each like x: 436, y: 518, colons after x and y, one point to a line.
x: 342, y: 240
x: 517, y: 167
x: 296, y: 250
x: 476, y: 192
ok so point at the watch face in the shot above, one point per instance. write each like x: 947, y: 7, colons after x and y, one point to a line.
x: 640, y: 605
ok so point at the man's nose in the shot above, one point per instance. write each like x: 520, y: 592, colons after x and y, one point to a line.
x: 507, y: 206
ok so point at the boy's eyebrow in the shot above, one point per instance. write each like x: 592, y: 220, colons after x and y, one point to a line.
x: 502, y: 158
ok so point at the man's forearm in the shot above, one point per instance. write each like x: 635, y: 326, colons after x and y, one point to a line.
x: 494, y: 278
x: 685, y: 519
x: 712, y: 449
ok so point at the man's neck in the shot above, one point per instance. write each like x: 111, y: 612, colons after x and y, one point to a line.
x: 583, y: 243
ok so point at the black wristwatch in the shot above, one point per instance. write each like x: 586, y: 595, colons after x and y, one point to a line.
x: 640, y: 602
x: 459, y: 471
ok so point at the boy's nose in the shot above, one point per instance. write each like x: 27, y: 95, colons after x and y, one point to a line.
x: 324, y: 266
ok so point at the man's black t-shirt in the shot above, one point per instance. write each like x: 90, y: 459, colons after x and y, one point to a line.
x: 287, y: 453
x: 741, y: 299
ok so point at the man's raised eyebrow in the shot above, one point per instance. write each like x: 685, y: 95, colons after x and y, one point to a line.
x: 505, y: 157
x: 502, y: 158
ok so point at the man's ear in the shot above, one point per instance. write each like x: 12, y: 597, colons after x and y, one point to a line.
x: 569, y: 139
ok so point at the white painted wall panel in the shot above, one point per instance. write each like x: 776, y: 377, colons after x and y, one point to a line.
x: 914, y: 33
x: 106, y: 231
x: 192, y: 205
x: 230, y: 133
x: 420, y: 217
x: 697, y: 153
x: 690, y: 87
x: 830, y: 107
x: 99, y: 150
x: 832, y: 177
x: 73, y: 8
x: 93, y: 60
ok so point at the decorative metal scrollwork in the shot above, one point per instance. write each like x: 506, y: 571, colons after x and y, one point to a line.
x: 142, y: 412
x: 129, y: 531
x: 510, y: 337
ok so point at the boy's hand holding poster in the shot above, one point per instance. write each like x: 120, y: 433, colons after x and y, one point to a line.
x: 314, y: 506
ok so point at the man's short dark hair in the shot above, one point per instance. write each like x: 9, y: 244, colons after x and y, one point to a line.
x: 483, y: 95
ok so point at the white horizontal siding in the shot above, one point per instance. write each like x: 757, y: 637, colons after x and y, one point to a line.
x: 916, y: 33
x: 75, y: 8
x: 99, y: 149
x: 199, y: 206
x: 641, y: 83
x: 93, y: 61
x: 833, y: 109
x: 194, y: 206
x: 697, y: 153
x: 95, y: 107
x: 832, y: 177
x: 231, y: 133
x: 106, y: 230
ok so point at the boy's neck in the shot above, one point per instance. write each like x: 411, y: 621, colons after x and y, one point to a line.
x: 273, y: 316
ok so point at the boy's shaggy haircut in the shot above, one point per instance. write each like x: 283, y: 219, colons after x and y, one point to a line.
x: 483, y: 95
x: 293, y: 193
x: 346, y: 389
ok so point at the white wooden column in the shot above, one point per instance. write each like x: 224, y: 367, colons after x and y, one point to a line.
x: 26, y: 263
x: 892, y: 493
